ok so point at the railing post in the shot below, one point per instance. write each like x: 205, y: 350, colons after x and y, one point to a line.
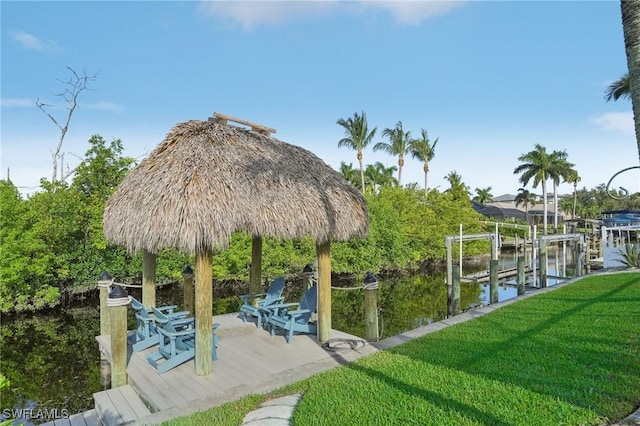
x: 455, y: 291
x: 543, y: 263
x: 118, y: 301
x: 521, y: 276
x: 104, y: 284
x: 493, y: 281
x: 307, y: 273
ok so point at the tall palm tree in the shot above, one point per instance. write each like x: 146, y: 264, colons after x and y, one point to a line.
x: 357, y: 137
x: 423, y: 150
x: 536, y: 165
x: 559, y: 168
x: 483, y: 195
x: 349, y: 173
x: 618, y: 89
x: 573, y: 178
x: 526, y: 198
x: 631, y: 29
x: 398, y: 145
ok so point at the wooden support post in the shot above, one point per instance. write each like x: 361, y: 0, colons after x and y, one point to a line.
x: 371, y: 307
x: 449, y: 277
x: 324, y: 291
x: 104, y: 284
x: 576, y: 260
x: 455, y: 294
x: 118, y: 301
x: 255, y: 273
x: 189, y: 297
x: 105, y: 326
x: 543, y: 263
x: 204, y: 314
x: 149, y: 262
x: 493, y: 281
x: 521, y: 278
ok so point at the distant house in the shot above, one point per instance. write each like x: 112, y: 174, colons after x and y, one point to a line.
x: 503, y: 208
x: 498, y: 213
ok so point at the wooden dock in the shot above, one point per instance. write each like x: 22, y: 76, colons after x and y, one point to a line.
x: 484, y: 276
x: 249, y: 361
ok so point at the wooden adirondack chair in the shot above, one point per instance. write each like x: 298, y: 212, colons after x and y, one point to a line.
x: 261, y: 300
x: 146, y: 329
x: 293, y: 317
x: 176, y: 346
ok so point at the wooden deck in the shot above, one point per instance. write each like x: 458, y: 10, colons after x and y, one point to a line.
x: 249, y: 361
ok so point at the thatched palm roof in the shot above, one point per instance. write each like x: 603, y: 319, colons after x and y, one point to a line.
x: 207, y: 180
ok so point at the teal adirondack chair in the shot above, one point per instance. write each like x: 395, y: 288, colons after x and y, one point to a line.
x: 293, y: 317
x: 272, y: 296
x: 146, y: 329
x: 176, y: 345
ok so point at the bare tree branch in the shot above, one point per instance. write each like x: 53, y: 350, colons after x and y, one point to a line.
x: 75, y: 85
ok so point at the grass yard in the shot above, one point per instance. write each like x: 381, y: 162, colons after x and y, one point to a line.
x: 567, y: 357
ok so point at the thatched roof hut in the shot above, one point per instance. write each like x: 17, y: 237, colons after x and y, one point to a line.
x: 207, y: 180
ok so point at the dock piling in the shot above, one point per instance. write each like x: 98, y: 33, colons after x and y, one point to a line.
x: 118, y: 301
x: 493, y: 281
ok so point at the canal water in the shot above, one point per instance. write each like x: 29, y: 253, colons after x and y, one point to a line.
x: 52, y: 361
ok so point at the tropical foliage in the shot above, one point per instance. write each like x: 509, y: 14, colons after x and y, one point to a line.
x: 630, y: 256
x: 536, y: 165
x: 399, y: 145
x: 619, y: 89
x: 423, y: 150
x: 53, y: 246
x: 357, y: 137
x: 458, y: 190
x: 483, y: 195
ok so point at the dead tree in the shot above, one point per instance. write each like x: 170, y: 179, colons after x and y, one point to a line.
x: 76, y: 84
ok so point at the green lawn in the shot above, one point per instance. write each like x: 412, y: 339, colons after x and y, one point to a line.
x: 567, y: 357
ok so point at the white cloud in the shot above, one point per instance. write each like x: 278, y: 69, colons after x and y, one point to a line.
x: 106, y: 106
x: 616, y: 121
x: 257, y: 12
x: 412, y: 12
x: 32, y: 42
x: 252, y: 13
x: 17, y: 103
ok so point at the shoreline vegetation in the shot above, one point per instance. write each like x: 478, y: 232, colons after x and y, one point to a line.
x: 54, y: 248
x: 567, y: 356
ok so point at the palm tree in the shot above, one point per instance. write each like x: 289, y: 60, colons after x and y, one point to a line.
x: 536, y: 165
x: 423, y: 150
x: 377, y: 176
x: 631, y: 29
x: 559, y: 168
x: 526, y: 198
x: 357, y: 137
x: 398, y: 145
x: 457, y: 188
x: 483, y: 195
x: 349, y: 173
x: 573, y: 178
x: 618, y: 89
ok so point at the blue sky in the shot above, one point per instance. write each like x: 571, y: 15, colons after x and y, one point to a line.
x: 489, y: 79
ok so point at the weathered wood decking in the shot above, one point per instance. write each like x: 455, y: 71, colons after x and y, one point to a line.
x: 249, y: 361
